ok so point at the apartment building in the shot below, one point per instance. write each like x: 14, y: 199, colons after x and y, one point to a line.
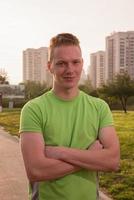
x: 35, y: 65
x: 97, y: 68
x: 83, y: 77
x: 119, y: 54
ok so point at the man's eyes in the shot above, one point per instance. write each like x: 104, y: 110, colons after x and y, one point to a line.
x: 76, y: 62
x: 62, y: 63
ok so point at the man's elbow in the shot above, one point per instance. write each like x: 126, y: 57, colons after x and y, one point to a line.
x: 115, y: 164
x: 35, y: 175
x: 32, y: 175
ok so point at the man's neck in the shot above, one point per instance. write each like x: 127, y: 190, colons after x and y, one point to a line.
x: 66, y: 94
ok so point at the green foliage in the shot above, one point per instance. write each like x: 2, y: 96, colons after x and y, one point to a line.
x: 17, y: 103
x: 122, y: 87
x: 120, y: 184
x: 87, y: 88
x: 9, y: 119
x: 33, y: 89
x: 3, y: 77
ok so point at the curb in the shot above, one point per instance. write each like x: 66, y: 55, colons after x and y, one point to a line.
x: 102, y: 196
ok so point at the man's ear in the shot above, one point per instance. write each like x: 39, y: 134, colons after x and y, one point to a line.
x: 50, y: 68
x: 82, y: 61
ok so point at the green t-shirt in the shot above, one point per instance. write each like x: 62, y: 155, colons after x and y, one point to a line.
x: 72, y: 123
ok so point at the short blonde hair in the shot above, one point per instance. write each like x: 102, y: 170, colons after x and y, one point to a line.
x: 62, y: 39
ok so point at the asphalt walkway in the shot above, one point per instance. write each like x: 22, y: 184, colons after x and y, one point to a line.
x: 13, y: 181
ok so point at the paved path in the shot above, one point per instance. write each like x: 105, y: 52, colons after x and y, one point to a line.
x: 13, y: 181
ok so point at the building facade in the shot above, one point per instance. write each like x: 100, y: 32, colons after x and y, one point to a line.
x: 119, y: 54
x: 83, y: 77
x: 35, y: 65
x: 97, y: 68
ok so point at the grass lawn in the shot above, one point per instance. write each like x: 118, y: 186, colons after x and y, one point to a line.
x: 119, y: 185
x: 9, y: 119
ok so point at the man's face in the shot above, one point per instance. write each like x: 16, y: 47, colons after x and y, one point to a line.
x: 66, y: 66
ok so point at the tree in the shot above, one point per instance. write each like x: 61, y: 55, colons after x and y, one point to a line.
x: 122, y: 87
x: 3, y: 77
x: 3, y: 80
x: 34, y: 89
x: 87, y: 88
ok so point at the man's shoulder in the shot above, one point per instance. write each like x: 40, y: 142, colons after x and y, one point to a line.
x: 37, y: 101
x: 92, y: 99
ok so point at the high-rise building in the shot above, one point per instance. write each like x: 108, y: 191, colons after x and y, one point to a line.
x: 119, y: 54
x: 35, y: 65
x: 97, y: 68
x: 83, y: 77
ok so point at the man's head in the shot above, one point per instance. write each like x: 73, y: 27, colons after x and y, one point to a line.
x: 62, y: 39
x: 65, y: 61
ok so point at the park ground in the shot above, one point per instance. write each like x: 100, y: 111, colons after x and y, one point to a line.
x: 118, y: 185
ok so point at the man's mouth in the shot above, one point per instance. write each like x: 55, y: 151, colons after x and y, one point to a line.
x: 68, y: 78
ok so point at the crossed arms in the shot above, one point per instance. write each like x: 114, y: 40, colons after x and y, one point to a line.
x: 49, y: 162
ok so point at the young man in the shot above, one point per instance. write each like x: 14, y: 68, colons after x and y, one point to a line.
x: 67, y: 135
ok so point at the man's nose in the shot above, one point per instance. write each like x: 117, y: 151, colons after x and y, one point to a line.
x: 70, y: 67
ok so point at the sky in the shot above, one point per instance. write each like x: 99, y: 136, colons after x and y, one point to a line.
x: 31, y: 24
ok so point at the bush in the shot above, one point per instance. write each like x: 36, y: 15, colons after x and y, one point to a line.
x: 17, y: 103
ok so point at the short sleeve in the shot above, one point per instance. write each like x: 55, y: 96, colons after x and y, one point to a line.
x: 106, y: 118
x: 30, y: 119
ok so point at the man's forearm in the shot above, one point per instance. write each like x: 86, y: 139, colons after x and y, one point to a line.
x: 39, y: 166
x: 51, y: 169
x: 97, y: 160
x: 102, y: 155
x: 101, y: 160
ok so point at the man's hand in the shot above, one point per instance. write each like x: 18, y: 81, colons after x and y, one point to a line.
x: 102, y: 155
x: 96, y: 146
x: 57, y: 152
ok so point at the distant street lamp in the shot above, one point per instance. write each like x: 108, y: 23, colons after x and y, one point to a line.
x: 0, y: 101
